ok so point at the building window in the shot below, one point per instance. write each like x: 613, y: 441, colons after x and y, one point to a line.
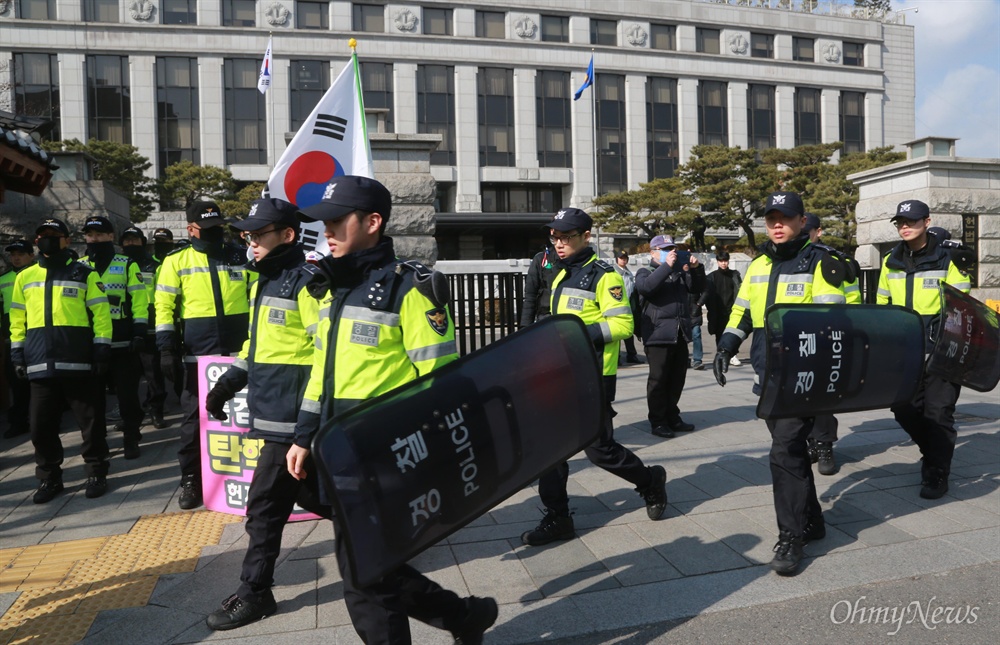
x: 807, y: 116
x: 555, y: 29
x: 521, y: 198
x: 109, y: 108
x: 100, y: 11
x: 36, y: 9
x: 612, y: 161
x: 437, y: 22
x: 245, y: 113
x: 491, y: 24
x: 803, y: 49
x: 663, y: 37
x: 369, y: 17
x: 312, y: 15
x: 310, y: 80
x: 707, y: 41
x: 661, y: 127
x: 552, y: 110
x: 36, y: 89
x: 760, y: 117
x: 496, y: 116
x: 179, y: 12
x: 603, y: 32
x: 713, y: 114
x: 239, y: 13
x: 761, y: 45
x: 376, y: 79
x: 436, y: 109
x: 177, y: 111
x: 852, y: 121
x: 854, y: 54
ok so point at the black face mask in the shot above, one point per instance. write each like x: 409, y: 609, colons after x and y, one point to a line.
x: 100, y: 248
x: 49, y: 245
x: 134, y: 252
x: 162, y: 248
x: 214, y: 235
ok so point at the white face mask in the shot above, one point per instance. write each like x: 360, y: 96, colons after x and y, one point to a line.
x: 249, y: 254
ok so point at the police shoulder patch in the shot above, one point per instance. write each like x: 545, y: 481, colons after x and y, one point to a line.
x: 617, y: 292
x: 100, y: 285
x: 438, y: 320
x: 603, y: 266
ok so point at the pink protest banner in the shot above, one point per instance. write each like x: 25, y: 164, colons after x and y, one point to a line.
x: 228, y: 455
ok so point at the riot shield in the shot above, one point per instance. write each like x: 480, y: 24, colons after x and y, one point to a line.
x: 826, y: 359
x: 410, y: 467
x: 967, y: 351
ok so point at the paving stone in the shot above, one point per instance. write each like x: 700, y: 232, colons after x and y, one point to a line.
x: 484, y: 563
x: 875, y: 533
x: 688, y: 547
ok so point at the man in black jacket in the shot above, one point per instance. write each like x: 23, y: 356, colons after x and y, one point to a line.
x: 538, y: 286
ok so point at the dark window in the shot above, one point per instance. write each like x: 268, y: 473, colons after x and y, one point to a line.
x: 312, y: 15
x: 663, y: 37
x: 555, y: 29
x: 437, y: 22
x: 245, y: 113
x: 603, y: 32
x: 552, y: 114
x: 36, y: 9
x: 760, y: 117
x: 852, y: 121
x: 707, y: 41
x: 661, y: 127
x: 109, y: 106
x: 100, y: 10
x: 36, y: 88
x: 761, y: 45
x: 376, y: 80
x: 491, y: 24
x: 521, y: 198
x: 177, y: 111
x: 239, y: 13
x: 713, y: 114
x: 807, y: 116
x: 854, y: 54
x: 496, y: 116
x: 612, y: 162
x: 179, y: 12
x: 436, y: 109
x: 369, y: 17
x: 803, y: 49
x: 310, y: 80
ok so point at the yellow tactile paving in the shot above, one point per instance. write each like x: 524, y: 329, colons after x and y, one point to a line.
x: 64, y: 585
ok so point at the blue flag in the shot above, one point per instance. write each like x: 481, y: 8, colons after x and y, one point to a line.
x: 588, y: 81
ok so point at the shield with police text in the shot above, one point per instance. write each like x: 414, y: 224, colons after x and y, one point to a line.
x: 967, y: 351
x: 826, y: 359
x: 412, y: 466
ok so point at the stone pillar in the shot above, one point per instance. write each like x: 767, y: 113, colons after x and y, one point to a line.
x: 525, y: 119
x: 687, y: 117
x: 404, y: 89
x: 830, y: 115
x: 874, y: 108
x: 278, y: 100
x: 69, y: 11
x: 212, y: 108
x: 73, y: 95
x: 467, y: 194
x: 142, y: 81
x: 582, y: 116
x: 784, y: 116
x: 738, y: 127
x: 6, y: 81
x: 635, y: 130
x: 210, y: 14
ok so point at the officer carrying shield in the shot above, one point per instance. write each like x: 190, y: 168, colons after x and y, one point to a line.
x: 789, y: 269
x: 22, y: 255
x: 911, y: 274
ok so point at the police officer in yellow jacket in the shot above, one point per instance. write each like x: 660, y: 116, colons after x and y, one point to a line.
x: 593, y: 291
x: 22, y: 255
x: 382, y: 324
x: 789, y: 269
x: 911, y: 276
x: 208, y: 281
x: 275, y: 362
x: 60, y: 340
x: 128, y: 299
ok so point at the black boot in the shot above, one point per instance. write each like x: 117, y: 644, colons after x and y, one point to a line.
x: 934, y: 484
x: 237, y: 612
x: 824, y: 458
x: 811, y: 450
x: 787, y: 555
x: 190, y: 493
x: 482, y: 614
x: 655, y: 494
x: 552, y: 528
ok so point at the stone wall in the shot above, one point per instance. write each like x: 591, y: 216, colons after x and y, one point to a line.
x: 71, y: 201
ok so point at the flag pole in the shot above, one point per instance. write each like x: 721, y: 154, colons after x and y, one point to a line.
x: 271, y: 144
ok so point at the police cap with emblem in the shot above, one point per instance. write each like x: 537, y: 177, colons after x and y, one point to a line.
x: 23, y: 246
x: 98, y: 223
x: 163, y: 234
x: 571, y: 219
x: 812, y: 223
x: 50, y: 224
x: 269, y: 211
x: 347, y: 194
x: 132, y: 230
x: 205, y: 214
x: 912, y: 209
x: 789, y: 204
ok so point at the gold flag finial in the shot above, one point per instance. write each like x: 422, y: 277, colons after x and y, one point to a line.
x: 353, y: 44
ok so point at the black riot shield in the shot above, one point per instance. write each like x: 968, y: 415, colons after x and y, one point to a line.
x: 410, y: 467
x: 826, y: 359
x: 967, y: 351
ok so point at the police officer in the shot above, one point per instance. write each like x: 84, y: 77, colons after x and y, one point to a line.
x: 61, y: 339
x: 789, y: 269
x: 591, y: 290
x: 911, y: 274
x: 22, y: 255
x: 415, y: 335
x: 275, y: 361
x: 210, y: 279
x: 129, y: 301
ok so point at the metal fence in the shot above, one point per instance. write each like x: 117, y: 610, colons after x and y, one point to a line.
x: 486, y: 307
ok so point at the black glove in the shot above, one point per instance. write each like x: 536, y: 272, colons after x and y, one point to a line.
x: 170, y: 365
x: 99, y: 368
x: 136, y: 345
x: 21, y: 372
x: 215, y: 402
x: 720, y: 366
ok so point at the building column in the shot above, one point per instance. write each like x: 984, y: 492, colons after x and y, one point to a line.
x: 69, y: 11
x: 687, y: 117
x: 404, y: 96
x: 525, y: 120
x: 212, y: 110
x: 830, y: 115
x: 784, y: 116
x: 142, y: 81
x: 635, y: 130
x: 73, y: 95
x: 874, y: 114
x: 739, y: 129
x: 278, y: 101
x: 582, y: 116
x: 210, y: 13
x: 467, y: 194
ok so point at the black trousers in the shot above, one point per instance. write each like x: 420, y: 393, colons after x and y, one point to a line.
x: 123, y: 373
x: 792, y: 475
x: 668, y: 365
x: 380, y: 613
x: 630, y: 347
x: 156, y: 387
x: 189, y: 454
x: 605, y: 453
x: 85, y: 398
x: 20, y: 390
x: 929, y: 419
x: 273, y: 494
x: 825, y: 428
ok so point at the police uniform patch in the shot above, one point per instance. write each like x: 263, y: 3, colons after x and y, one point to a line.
x: 574, y: 304
x: 931, y: 283
x: 616, y: 293
x: 70, y: 292
x: 235, y: 275
x: 364, y: 334
x: 795, y: 290
x: 438, y: 320
x: 276, y: 317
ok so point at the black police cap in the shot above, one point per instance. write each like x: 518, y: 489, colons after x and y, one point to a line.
x: 347, y: 194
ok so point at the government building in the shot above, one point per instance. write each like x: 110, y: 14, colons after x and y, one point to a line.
x: 178, y: 79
